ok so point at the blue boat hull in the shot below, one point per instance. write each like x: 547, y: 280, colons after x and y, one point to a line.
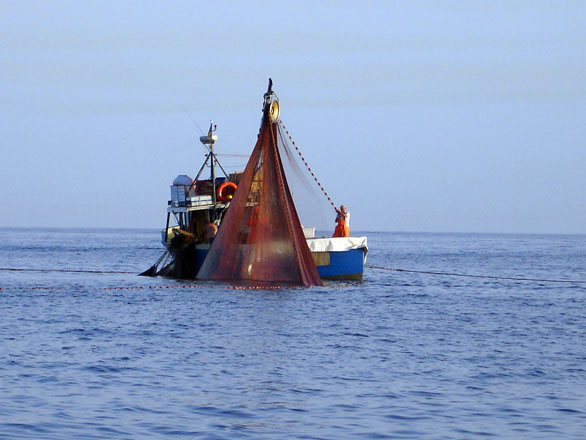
x: 343, y: 265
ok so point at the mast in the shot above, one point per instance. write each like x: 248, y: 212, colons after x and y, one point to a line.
x: 209, y: 141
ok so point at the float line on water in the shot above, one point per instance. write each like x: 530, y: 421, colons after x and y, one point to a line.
x: 493, y: 277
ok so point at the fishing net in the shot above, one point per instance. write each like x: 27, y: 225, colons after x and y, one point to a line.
x: 311, y: 206
x: 261, y: 238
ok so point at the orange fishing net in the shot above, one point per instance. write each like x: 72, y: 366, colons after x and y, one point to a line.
x: 261, y: 238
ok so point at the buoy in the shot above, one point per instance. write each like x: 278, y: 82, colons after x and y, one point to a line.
x: 226, y: 191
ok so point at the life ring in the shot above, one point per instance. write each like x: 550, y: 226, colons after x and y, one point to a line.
x: 226, y: 191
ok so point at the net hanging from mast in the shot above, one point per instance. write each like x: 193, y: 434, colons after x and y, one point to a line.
x: 261, y: 238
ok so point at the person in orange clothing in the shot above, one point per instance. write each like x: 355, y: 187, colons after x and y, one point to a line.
x: 342, y: 222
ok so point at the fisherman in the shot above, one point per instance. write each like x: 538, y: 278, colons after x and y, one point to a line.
x: 342, y: 222
x: 210, y: 231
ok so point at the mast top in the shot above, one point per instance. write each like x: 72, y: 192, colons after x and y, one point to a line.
x: 211, y: 138
x: 271, y: 103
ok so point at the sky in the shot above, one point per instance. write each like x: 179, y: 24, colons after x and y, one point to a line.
x: 422, y: 116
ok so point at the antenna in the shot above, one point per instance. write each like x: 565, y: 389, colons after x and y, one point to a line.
x: 193, y: 120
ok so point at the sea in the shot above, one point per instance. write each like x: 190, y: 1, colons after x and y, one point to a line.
x: 90, y: 350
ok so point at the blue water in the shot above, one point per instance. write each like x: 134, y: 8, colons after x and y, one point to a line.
x: 401, y: 355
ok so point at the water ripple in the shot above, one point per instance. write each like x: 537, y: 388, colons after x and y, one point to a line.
x: 398, y: 356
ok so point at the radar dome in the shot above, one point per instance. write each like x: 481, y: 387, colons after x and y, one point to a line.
x: 182, y: 180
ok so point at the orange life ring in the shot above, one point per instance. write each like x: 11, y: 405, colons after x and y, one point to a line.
x: 226, y: 191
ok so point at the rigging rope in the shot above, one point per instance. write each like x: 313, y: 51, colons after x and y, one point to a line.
x: 494, y: 277
x: 307, y: 165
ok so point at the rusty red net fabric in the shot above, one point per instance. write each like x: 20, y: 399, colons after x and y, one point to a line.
x: 261, y: 238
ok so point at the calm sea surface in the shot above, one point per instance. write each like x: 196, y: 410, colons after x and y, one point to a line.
x: 401, y: 355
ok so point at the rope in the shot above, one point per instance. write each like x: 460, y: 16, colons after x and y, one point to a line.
x: 493, y: 277
x: 181, y: 286
x: 18, y: 269
x: 107, y: 288
x: 307, y: 165
x: 391, y: 269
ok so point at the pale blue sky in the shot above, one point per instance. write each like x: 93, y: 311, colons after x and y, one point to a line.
x: 464, y: 116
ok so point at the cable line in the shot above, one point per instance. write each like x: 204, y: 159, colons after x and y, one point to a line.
x: 151, y: 287
x: 19, y: 269
x: 493, y: 277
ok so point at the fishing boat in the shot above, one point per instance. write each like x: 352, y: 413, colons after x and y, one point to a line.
x: 244, y: 227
